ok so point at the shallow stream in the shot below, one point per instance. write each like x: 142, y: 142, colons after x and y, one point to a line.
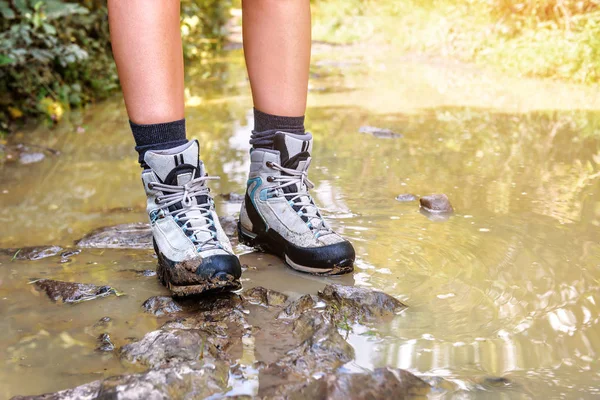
x: 508, y: 286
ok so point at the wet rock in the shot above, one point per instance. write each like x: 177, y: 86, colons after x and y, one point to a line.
x: 296, y: 308
x: 125, y: 236
x: 170, y: 347
x: 380, y: 133
x: 32, y: 253
x: 146, y: 272
x: 322, y: 352
x: 161, y: 305
x: 436, y: 204
x: 406, y: 197
x: 496, y: 382
x: 104, y: 343
x: 65, y: 256
x: 264, y: 297
x: 229, y: 225
x: 103, y: 322
x: 189, y: 381
x: 358, y: 302
x: 31, y: 158
x: 233, y: 197
x: 72, y: 292
x: 136, y: 235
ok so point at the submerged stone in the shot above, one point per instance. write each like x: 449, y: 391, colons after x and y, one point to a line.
x: 161, y: 305
x: 381, y: 133
x: 358, y: 302
x: 436, y: 203
x: 72, y: 292
x: 32, y: 253
x: 229, y: 225
x: 232, y: 197
x: 264, y: 297
x: 103, y: 322
x: 31, y: 158
x: 296, y: 308
x: 406, y: 197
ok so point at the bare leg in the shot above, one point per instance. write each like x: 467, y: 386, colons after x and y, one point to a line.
x: 146, y: 43
x: 277, y: 39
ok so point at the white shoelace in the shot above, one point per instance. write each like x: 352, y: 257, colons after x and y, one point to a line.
x: 186, y: 194
x: 306, y: 203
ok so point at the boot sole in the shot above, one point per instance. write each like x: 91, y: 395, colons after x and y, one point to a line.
x: 267, y: 245
x: 223, y: 283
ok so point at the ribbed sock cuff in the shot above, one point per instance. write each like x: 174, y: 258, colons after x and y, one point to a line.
x: 266, y: 122
x: 269, y: 124
x: 157, y: 137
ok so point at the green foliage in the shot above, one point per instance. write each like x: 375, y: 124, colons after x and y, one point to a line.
x: 55, y: 54
x: 541, y: 38
x: 202, y: 26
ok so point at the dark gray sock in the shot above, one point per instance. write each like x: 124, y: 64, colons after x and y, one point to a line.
x: 266, y: 125
x: 157, y: 137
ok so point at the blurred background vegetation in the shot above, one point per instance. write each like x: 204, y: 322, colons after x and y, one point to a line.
x: 55, y: 55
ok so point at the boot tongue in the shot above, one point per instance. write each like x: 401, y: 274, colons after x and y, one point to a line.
x: 175, y: 166
x: 294, y: 150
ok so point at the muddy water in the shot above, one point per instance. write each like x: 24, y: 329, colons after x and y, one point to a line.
x: 506, y: 287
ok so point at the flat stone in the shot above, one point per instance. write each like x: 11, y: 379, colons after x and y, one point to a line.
x: 136, y: 235
x: 190, y: 381
x: 358, y: 302
x: 436, y: 203
x: 161, y: 305
x: 32, y: 253
x: 170, y: 347
x: 406, y: 197
x: 124, y: 236
x: 264, y: 297
x: 72, y: 292
x: 381, y: 133
x: 31, y: 158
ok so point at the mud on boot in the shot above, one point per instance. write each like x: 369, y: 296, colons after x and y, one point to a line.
x: 279, y: 216
x: 194, y: 254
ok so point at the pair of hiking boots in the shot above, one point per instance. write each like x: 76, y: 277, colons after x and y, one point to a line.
x: 278, y: 216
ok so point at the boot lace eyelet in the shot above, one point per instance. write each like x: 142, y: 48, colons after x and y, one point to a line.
x: 157, y: 200
x: 270, y: 179
x: 150, y: 186
x: 269, y: 164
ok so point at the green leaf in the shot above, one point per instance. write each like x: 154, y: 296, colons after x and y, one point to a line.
x: 49, y: 29
x: 4, y: 60
x: 5, y: 10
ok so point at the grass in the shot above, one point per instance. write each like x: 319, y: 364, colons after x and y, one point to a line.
x: 557, y: 39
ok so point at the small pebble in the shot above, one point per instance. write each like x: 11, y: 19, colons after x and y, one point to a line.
x: 406, y: 197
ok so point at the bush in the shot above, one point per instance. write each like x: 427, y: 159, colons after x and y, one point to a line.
x: 55, y: 55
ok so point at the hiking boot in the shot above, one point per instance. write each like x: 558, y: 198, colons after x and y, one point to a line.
x: 194, y: 254
x: 279, y: 215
